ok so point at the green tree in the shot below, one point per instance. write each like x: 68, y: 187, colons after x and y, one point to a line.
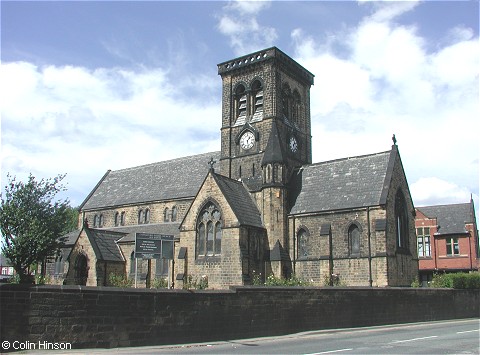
x: 31, y: 221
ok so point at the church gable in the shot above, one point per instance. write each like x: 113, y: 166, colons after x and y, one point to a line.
x: 238, y: 207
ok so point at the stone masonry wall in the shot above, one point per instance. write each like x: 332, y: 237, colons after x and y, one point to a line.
x: 103, y: 317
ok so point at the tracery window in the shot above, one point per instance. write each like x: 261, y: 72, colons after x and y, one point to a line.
x: 209, y: 232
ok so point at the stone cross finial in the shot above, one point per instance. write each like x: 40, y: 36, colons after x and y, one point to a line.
x: 394, y: 140
x: 212, y: 163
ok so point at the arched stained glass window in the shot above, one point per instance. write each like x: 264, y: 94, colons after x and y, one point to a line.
x: 302, y: 243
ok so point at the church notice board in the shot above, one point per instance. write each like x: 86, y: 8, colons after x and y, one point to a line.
x: 153, y: 246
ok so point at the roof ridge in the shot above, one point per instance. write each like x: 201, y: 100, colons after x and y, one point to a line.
x: 346, y: 158
x: 446, y: 205
x: 164, y: 161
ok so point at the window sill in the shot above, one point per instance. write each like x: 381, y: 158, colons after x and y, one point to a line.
x: 208, y: 259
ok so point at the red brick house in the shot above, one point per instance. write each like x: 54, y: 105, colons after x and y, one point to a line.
x: 447, y: 239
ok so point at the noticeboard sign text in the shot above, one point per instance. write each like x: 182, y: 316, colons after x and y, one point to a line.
x: 153, y: 246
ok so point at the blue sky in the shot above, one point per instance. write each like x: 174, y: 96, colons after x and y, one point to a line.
x: 90, y: 86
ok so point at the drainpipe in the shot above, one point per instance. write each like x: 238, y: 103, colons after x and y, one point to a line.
x: 105, y: 275
x: 470, y: 249
x: 370, y: 280
x: 294, y: 246
x: 330, y: 258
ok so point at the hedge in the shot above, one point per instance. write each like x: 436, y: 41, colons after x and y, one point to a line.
x: 457, y: 280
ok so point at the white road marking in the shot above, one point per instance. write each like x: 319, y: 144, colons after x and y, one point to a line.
x: 414, y: 339
x: 469, y: 331
x: 330, y: 351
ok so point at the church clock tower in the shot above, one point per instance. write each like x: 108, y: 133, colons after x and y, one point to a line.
x: 264, y: 93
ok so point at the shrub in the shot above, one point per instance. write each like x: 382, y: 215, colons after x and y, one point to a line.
x: 473, y: 280
x: 415, y: 283
x: 194, y: 283
x: 292, y: 281
x: 159, y: 283
x: 459, y: 280
x: 333, y: 280
x: 257, y: 279
x: 119, y: 280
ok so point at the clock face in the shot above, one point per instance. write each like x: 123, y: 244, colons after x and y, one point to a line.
x: 247, y: 140
x: 293, y: 144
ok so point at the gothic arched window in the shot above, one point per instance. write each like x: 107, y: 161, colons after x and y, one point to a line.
x: 117, y: 220
x: 174, y: 213
x: 354, y: 240
x: 209, y: 231
x: 95, y: 221
x: 240, y: 101
x: 295, y: 107
x: 401, y: 220
x: 302, y: 243
x: 122, y: 218
x: 132, y: 262
x: 257, y: 99
x: 59, y: 265
x: 286, y: 97
x: 165, y: 215
x: 140, y: 217
x: 146, y: 217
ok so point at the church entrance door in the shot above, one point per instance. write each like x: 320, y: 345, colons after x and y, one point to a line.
x: 81, y: 272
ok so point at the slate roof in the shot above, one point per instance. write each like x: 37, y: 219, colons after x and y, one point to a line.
x: 171, y: 179
x: 344, y: 183
x: 69, y: 239
x: 239, y: 200
x: 104, y: 244
x: 450, y: 218
x: 4, y: 261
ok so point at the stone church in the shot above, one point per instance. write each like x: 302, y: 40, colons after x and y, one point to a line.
x: 258, y: 207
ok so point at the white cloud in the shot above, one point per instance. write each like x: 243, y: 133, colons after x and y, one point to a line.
x: 83, y: 122
x: 238, y: 21
x: 389, y: 10
x: 248, y: 7
x: 387, y: 82
x: 429, y: 190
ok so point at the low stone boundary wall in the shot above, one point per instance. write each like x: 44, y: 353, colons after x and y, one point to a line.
x: 104, y: 317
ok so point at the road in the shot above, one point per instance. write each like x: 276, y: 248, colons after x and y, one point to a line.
x: 441, y: 337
